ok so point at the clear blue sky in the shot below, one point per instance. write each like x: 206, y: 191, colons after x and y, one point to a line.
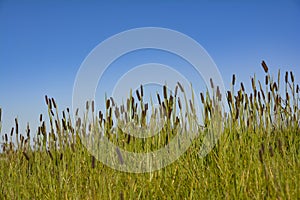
x: 43, y: 43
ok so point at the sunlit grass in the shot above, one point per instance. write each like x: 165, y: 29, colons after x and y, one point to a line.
x: 256, y: 157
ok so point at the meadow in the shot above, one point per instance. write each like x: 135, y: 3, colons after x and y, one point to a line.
x: 256, y: 157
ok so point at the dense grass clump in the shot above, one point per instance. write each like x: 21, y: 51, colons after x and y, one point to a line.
x: 256, y: 157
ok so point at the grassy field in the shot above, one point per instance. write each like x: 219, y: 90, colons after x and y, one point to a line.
x: 256, y: 157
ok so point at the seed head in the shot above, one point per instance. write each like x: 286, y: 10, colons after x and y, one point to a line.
x: 87, y: 105
x: 233, y: 79
x: 211, y: 83
x: 165, y: 92
x: 107, y: 103
x: 180, y: 87
x: 26, y: 156
x: 93, y: 161
x: 54, y: 103
x: 50, y: 154
x: 93, y: 106
x: 179, y: 103
x: 176, y: 90
x: 202, y: 97
x: 229, y: 97
x: 292, y: 76
x: 158, y: 98
x: 46, y: 99
x: 242, y: 86
x: 264, y: 65
x: 142, y: 91
x: 17, y: 126
x: 138, y: 95
x: 253, y: 83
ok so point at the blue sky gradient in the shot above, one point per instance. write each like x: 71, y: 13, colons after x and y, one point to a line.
x: 43, y: 43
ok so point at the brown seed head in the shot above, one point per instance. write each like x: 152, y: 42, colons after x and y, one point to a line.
x: 142, y: 91
x: 165, y: 92
x: 264, y: 65
x: 46, y: 99
x: 176, y: 90
x: 202, y: 97
x: 292, y: 76
x: 211, y: 83
x: 180, y: 87
x: 64, y: 115
x: 242, y: 86
x: 107, y: 103
x: 219, y: 95
x: 275, y: 87
x: 17, y: 126
x: 253, y: 83
x: 54, y: 103
x: 50, y: 154
x: 138, y: 95
x: 93, y: 106
x: 179, y: 103
x: 233, y: 79
x: 87, y: 105
x: 229, y: 97
x: 93, y: 161
x: 158, y: 98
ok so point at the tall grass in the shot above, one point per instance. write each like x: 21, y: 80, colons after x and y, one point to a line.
x: 256, y: 157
